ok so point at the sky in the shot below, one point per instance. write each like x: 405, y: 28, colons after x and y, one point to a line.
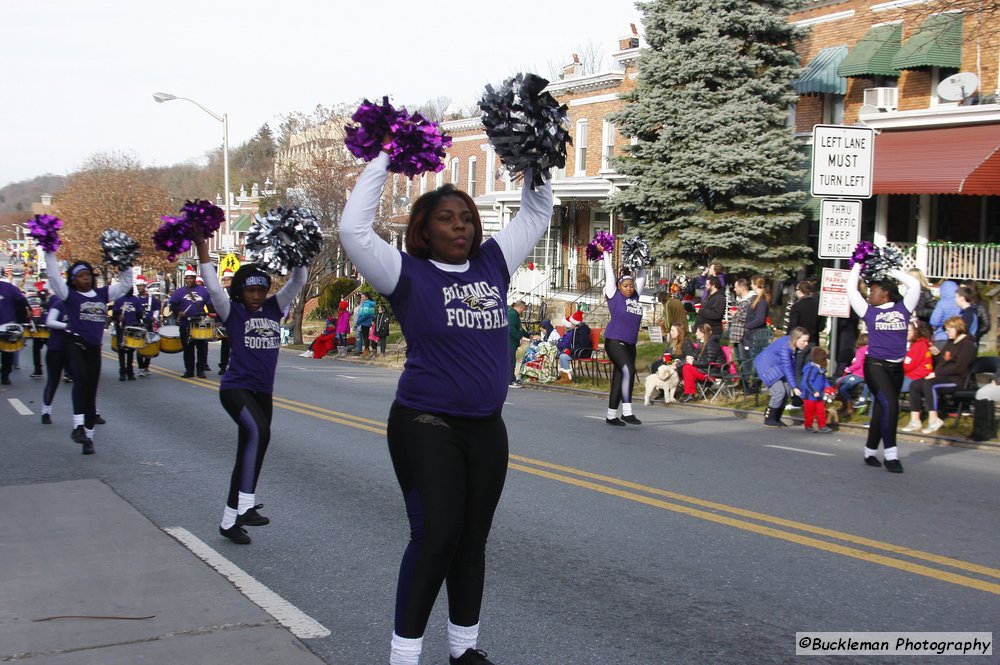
x: 78, y: 76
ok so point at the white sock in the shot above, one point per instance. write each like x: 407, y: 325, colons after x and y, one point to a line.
x: 246, y: 502
x: 892, y: 453
x: 89, y: 433
x: 871, y: 452
x: 228, y: 517
x: 405, y: 651
x: 612, y: 414
x: 77, y: 420
x: 627, y: 408
x: 462, y: 638
x: 47, y: 408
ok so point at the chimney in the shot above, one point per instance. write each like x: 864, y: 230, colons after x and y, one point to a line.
x: 630, y: 40
x: 573, y: 69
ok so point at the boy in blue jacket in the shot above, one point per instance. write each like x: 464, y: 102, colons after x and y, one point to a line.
x: 814, y: 387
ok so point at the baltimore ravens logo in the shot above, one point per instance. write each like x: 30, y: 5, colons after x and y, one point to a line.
x: 473, y: 301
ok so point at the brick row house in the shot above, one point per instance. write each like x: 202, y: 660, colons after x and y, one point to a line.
x: 909, y: 72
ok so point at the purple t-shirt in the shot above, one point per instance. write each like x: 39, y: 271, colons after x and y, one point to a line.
x: 129, y: 309
x: 626, y: 317
x: 254, y: 343
x: 887, y: 331
x: 10, y: 299
x: 455, y: 324
x: 190, y: 301
x: 87, y: 315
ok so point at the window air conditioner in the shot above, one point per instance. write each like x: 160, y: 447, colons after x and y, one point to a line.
x: 884, y: 99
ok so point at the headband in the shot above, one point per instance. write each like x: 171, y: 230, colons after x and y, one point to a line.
x: 624, y: 277
x: 257, y: 280
x: 75, y: 270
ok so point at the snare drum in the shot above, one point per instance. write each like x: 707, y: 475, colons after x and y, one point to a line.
x: 11, y: 337
x: 134, y: 337
x: 39, y: 331
x: 152, y: 346
x: 114, y: 342
x: 170, y: 339
x: 202, y: 329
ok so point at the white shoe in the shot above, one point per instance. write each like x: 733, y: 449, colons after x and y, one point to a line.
x: 933, y: 427
x: 306, y: 354
x: 910, y: 427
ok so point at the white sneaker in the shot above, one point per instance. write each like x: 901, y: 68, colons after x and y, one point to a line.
x: 933, y: 427
x: 306, y: 354
x: 910, y: 427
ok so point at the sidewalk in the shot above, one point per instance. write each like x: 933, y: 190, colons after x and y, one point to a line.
x: 77, y: 549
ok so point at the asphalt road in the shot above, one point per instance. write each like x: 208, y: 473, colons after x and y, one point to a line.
x: 697, y: 537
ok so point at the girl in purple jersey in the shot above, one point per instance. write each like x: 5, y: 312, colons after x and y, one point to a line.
x: 55, y: 356
x: 253, y: 324
x: 620, y: 338
x: 86, y: 310
x: 887, y: 317
x: 447, y: 440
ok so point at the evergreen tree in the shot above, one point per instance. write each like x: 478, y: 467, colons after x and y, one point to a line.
x: 715, y: 166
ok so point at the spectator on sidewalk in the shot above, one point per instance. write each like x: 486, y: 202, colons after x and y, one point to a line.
x: 699, y: 355
x: 363, y: 317
x: 814, y: 389
x: 951, y: 370
x: 515, y: 333
x: 776, y: 368
x: 713, y: 306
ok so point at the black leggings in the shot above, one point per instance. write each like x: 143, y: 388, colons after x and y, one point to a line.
x: 884, y: 379
x: 622, y: 356
x: 54, y: 363
x: 252, y: 413
x: 85, y: 364
x: 452, y: 472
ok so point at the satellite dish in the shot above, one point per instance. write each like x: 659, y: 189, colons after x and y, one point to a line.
x: 868, y: 109
x: 958, y: 87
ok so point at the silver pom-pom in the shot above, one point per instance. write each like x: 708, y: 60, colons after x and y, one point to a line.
x: 283, y: 239
x: 635, y: 254
x: 120, y: 250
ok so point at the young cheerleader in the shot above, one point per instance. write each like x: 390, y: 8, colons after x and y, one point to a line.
x: 446, y: 436
x: 55, y: 355
x: 86, y: 310
x: 620, y: 338
x: 253, y: 324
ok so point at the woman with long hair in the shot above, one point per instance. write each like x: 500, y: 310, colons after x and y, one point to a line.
x: 620, y: 337
x: 951, y: 369
x: 86, y: 309
x: 446, y: 434
x: 699, y: 355
x: 776, y: 367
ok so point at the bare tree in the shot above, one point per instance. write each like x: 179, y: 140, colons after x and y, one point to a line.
x: 112, y: 191
x: 982, y: 17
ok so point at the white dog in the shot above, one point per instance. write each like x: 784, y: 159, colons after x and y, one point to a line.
x: 665, y: 378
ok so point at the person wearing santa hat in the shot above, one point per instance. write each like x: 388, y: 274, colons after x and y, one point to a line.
x: 127, y: 312
x: 151, y: 320
x: 226, y: 280
x: 190, y: 302
x: 38, y: 302
x: 575, y: 343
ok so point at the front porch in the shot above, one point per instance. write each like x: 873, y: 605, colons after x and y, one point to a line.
x: 952, y: 260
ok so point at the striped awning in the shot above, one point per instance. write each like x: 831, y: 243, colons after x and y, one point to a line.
x: 820, y: 76
x: 873, y: 54
x: 938, y: 43
x: 948, y: 160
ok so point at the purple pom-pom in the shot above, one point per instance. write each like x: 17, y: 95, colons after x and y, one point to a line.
x: 173, y: 236
x: 205, y: 216
x: 45, y: 229
x: 861, y: 252
x: 602, y: 242
x: 416, y: 144
x: 876, y: 262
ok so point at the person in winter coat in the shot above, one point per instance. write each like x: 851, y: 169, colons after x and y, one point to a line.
x: 854, y: 374
x: 363, y: 318
x: 381, y: 329
x: 814, y: 387
x: 951, y: 369
x: 713, y: 306
x: 699, y: 355
x: 925, y: 306
x: 918, y: 362
x: 944, y: 310
x: 776, y: 368
x: 805, y: 312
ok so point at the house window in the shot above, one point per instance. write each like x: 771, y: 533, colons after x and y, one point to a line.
x: 581, y: 148
x: 439, y: 179
x: 608, y: 145
x: 472, y: 177
x: 491, y: 170
x: 454, y: 171
x: 833, y: 109
x: 423, y: 183
x: 939, y: 74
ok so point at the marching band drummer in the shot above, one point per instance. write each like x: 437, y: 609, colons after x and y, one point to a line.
x: 188, y: 302
x: 151, y: 320
x: 13, y: 309
x: 253, y: 325
x: 39, y: 305
x: 127, y: 312
x: 87, y: 312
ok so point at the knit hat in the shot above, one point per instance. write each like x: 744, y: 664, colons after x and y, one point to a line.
x: 139, y: 280
x: 574, y: 319
x: 343, y: 305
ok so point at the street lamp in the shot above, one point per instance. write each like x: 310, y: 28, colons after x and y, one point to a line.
x: 161, y: 97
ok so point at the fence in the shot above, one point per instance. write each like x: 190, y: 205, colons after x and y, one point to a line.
x: 955, y: 260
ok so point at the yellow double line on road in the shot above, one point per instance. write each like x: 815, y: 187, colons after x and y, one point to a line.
x: 800, y: 533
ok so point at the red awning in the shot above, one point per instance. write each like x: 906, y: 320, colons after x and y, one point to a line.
x: 950, y: 160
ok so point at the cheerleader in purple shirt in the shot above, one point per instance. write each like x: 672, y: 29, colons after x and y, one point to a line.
x: 620, y: 338
x: 86, y: 310
x: 887, y: 318
x: 253, y: 325
x: 446, y: 437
